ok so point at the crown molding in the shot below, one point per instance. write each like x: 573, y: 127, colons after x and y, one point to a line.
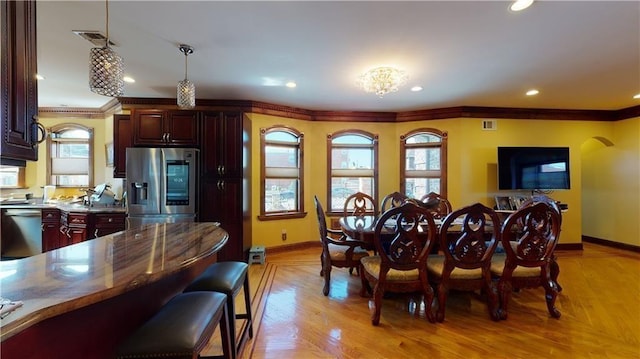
x: 128, y: 103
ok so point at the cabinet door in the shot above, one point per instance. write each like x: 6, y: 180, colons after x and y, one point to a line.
x: 107, y: 223
x: 19, y: 91
x: 148, y: 127
x: 50, y: 229
x: 122, y: 138
x: 50, y: 236
x: 223, y: 144
x: 182, y: 128
x: 76, y: 235
x: 222, y: 202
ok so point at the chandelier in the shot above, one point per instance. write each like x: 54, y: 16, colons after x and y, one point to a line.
x: 106, y: 69
x: 382, y: 80
x: 186, y: 89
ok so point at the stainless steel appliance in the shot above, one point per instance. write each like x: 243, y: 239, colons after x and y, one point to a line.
x: 21, y: 233
x: 161, y: 185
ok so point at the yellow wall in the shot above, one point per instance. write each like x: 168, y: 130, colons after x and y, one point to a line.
x: 472, y: 168
x: 611, y: 183
x: 36, y: 172
x: 604, y: 201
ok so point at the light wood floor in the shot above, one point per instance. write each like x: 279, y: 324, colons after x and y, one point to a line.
x: 600, y: 305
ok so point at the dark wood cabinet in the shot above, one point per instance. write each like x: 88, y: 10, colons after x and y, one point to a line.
x: 76, y: 227
x: 223, y: 144
x: 50, y: 229
x: 21, y: 131
x: 165, y: 128
x: 107, y: 223
x: 225, y: 187
x: 122, y: 138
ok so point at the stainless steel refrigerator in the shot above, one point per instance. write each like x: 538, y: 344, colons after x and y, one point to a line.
x: 161, y: 185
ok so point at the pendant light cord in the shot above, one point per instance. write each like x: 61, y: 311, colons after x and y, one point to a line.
x: 106, y: 4
x: 186, y: 64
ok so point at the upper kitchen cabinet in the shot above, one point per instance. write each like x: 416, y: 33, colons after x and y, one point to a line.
x: 21, y: 131
x: 122, y: 138
x: 224, y: 141
x: 165, y: 128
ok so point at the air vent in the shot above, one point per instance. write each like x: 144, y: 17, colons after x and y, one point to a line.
x: 94, y: 37
x: 489, y: 125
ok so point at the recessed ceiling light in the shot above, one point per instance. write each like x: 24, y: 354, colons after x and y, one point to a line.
x: 39, y: 77
x: 637, y: 97
x: 532, y: 92
x: 291, y: 84
x: 416, y: 88
x: 520, y: 5
x: 128, y: 79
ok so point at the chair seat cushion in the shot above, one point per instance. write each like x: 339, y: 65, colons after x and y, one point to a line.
x: 371, y: 265
x: 435, y: 265
x: 182, y: 326
x: 338, y: 252
x: 225, y: 277
x: 497, y: 267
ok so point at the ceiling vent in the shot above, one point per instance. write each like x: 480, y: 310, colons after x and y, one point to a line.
x: 94, y: 37
x: 489, y: 125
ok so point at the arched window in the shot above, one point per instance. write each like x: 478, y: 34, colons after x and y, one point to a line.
x: 353, y: 166
x: 423, y: 155
x: 281, y: 167
x: 70, y: 158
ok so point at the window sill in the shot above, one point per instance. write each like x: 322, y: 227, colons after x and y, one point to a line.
x: 278, y: 216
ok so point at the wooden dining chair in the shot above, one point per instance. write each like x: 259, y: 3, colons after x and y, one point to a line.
x: 554, y: 267
x: 395, y: 199
x: 438, y: 205
x: 339, y: 252
x: 529, y: 237
x: 468, y: 238
x: 403, y: 238
x: 360, y: 204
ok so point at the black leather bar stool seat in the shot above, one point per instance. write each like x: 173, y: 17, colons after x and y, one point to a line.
x: 229, y: 278
x: 181, y: 329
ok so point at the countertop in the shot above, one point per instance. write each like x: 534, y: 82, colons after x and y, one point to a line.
x: 76, y: 276
x: 64, y: 206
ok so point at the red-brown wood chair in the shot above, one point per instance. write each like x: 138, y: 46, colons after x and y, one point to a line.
x: 403, y: 238
x: 468, y: 239
x: 339, y: 252
x: 529, y: 237
x: 395, y: 199
x: 360, y: 204
x: 555, y: 268
x: 438, y: 205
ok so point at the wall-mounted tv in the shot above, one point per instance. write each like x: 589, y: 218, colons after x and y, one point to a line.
x: 533, y: 168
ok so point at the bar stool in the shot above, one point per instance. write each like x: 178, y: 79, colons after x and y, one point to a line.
x: 228, y: 278
x: 181, y: 329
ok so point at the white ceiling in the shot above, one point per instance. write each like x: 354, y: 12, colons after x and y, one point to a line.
x: 578, y: 54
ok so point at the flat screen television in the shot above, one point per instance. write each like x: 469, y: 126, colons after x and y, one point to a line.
x: 533, y: 168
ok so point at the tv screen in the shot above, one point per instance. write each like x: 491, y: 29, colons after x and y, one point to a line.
x: 533, y: 168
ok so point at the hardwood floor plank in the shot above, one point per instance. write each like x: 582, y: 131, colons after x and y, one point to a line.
x: 599, y: 305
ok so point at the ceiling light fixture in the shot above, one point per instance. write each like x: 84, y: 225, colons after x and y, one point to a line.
x: 186, y: 88
x: 532, y: 92
x: 106, y: 68
x: 520, y: 5
x: 382, y: 80
x: 637, y: 96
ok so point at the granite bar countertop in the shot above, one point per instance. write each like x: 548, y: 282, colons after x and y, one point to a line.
x: 64, y: 206
x: 79, y: 275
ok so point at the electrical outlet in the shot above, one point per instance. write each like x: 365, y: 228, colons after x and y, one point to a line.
x: 284, y: 234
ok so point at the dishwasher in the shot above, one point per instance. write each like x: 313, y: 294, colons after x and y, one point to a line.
x: 21, y: 233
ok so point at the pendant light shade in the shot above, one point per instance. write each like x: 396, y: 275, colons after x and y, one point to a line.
x: 186, y: 95
x: 106, y: 68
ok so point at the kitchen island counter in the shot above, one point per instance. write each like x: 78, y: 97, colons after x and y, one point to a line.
x: 81, y: 300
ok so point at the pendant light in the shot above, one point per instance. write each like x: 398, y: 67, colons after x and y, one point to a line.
x: 186, y: 89
x: 106, y: 69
